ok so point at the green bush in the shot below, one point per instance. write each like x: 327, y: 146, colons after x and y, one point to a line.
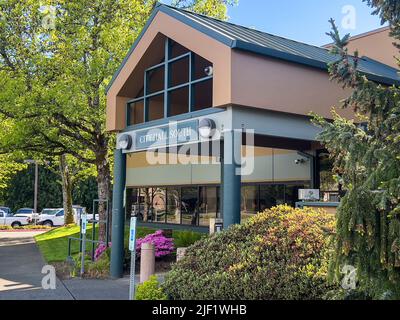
x: 277, y: 255
x: 150, y: 290
x: 4, y: 227
x: 184, y: 239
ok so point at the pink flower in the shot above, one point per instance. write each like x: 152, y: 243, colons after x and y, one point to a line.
x: 163, y: 245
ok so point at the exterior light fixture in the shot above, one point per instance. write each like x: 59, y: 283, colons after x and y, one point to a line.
x: 207, y: 128
x: 124, y: 142
x: 209, y: 71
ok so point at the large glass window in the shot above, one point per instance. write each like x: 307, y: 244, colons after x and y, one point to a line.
x: 155, y: 107
x: 159, y: 202
x: 176, y: 49
x: 202, y: 95
x: 208, y: 205
x: 179, y: 101
x: 174, y: 205
x: 271, y: 196
x: 189, y: 86
x: 155, y: 80
x: 249, y: 202
x: 189, y: 206
x: 179, y: 72
x: 136, y: 112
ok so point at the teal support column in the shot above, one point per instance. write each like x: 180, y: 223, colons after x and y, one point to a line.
x: 118, y: 215
x: 231, y: 177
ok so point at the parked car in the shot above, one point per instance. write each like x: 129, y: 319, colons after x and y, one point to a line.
x: 55, y: 217
x: 51, y: 217
x: 13, y: 221
x: 28, y: 213
x: 7, y: 210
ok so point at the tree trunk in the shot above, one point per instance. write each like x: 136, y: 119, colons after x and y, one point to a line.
x: 104, y: 189
x: 66, y: 190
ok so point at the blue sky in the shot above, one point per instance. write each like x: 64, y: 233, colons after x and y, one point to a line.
x: 302, y: 20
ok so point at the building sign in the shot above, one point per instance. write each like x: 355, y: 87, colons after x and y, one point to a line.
x: 169, y: 135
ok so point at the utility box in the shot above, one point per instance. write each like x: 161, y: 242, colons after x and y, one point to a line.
x: 216, y: 225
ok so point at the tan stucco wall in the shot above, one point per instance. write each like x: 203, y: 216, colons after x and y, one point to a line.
x: 267, y: 83
x: 377, y: 45
x: 208, y: 48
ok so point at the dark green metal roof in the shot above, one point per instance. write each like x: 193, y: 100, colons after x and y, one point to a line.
x: 250, y: 40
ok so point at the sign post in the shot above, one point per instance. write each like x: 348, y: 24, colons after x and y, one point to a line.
x: 132, y: 249
x: 83, y: 233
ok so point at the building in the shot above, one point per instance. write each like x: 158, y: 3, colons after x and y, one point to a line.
x: 213, y: 121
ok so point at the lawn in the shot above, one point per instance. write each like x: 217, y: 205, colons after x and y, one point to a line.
x: 54, y: 243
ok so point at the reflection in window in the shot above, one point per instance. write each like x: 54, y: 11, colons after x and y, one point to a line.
x: 155, y: 80
x: 179, y: 72
x: 155, y: 107
x: 202, y: 95
x: 179, y: 101
x: 189, y: 206
x: 200, y: 65
x: 159, y: 206
x: 271, y: 196
x: 136, y: 112
x: 208, y: 205
x: 177, y: 49
x: 249, y: 202
x: 173, y: 206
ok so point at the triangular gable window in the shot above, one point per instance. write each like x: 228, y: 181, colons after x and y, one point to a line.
x: 180, y: 84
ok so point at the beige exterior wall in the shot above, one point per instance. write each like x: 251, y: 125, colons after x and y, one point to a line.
x: 272, y: 84
x: 377, y: 45
x: 208, y: 48
x: 270, y: 165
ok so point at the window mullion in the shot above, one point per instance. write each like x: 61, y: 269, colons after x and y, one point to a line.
x: 166, y: 78
x: 191, y: 71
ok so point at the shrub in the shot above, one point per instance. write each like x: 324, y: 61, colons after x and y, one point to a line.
x: 4, y: 227
x: 150, y: 290
x: 184, y: 239
x: 163, y: 245
x: 277, y: 255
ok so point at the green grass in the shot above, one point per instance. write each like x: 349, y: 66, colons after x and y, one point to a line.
x: 54, y: 243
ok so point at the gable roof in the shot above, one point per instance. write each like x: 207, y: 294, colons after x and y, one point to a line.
x: 258, y: 42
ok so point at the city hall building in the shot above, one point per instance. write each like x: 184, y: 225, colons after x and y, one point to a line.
x: 213, y: 120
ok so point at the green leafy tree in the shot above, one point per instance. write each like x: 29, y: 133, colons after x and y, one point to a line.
x: 368, y: 163
x: 56, y: 59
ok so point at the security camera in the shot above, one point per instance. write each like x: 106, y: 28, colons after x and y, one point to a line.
x: 209, y: 71
x: 299, y: 161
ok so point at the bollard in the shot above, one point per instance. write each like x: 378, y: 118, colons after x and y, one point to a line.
x: 180, y: 253
x: 147, y: 261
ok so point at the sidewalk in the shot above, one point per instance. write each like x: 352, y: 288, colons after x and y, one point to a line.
x: 20, y: 275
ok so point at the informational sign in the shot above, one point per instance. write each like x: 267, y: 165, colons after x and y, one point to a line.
x: 84, y: 223
x: 169, y: 135
x: 132, y: 234
x: 309, y: 194
x: 132, y: 248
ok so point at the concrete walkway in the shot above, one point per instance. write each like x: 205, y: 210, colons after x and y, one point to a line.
x: 20, y: 275
x: 21, y: 264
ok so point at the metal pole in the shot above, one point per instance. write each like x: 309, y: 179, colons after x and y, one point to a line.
x: 132, y: 248
x: 35, y: 200
x: 118, y: 216
x: 83, y: 233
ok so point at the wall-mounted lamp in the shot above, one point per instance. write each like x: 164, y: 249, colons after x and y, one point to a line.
x: 124, y: 142
x: 207, y: 128
x: 209, y: 71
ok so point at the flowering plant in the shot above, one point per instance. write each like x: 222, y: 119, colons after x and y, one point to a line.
x: 101, y: 248
x: 163, y: 246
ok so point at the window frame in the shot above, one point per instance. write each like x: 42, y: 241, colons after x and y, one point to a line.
x: 167, y: 89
